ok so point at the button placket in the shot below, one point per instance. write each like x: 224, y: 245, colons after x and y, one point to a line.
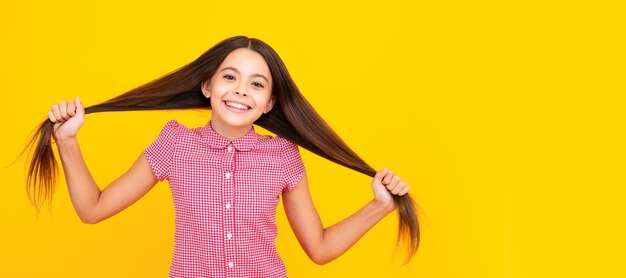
x: 229, y: 247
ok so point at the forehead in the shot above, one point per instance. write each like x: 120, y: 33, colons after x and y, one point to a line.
x: 247, y: 62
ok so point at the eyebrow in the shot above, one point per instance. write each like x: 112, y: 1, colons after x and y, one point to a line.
x: 253, y: 75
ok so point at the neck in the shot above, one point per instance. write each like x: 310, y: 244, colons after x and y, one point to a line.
x: 229, y: 132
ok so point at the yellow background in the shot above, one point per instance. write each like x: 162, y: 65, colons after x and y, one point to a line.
x: 506, y: 117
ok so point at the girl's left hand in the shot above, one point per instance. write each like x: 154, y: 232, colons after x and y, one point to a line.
x: 386, y: 183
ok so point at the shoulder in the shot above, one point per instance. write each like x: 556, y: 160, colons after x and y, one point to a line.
x: 169, y: 131
x: 288, y: 148
x: 174, y: 131
x: 275, y: 144
x: 284, y: 142
x: 173, y: 126
x: 275, y: 141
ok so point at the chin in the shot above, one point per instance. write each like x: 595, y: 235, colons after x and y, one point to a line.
x: 240, y: 122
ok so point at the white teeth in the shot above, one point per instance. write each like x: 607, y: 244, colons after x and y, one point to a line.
x: 237, y: 105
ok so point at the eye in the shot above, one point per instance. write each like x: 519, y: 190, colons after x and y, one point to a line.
x: 229, y: 77
x: 257, y: 84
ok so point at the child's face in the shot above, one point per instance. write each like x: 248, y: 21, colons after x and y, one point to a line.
x: 240, y: 90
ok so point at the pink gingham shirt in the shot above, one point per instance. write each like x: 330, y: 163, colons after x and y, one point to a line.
x: 225, y: 196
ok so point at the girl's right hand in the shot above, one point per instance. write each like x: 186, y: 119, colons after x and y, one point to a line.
x: 68, y: 117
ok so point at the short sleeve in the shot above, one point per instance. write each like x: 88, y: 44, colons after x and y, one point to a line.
x: 292, y: 166
x: 159, y: 154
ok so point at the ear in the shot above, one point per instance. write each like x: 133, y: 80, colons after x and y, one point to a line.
x: 206, y: 88
x: 270, y: 104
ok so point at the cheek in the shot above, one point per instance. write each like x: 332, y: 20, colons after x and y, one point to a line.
x: 262, y: 101
x: 221, y: 87
x: 214, y: 101
x: 219, y: 90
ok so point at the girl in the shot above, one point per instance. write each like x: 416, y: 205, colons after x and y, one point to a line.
x: 225, y: 178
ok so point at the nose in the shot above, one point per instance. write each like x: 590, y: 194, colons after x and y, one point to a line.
x: 241, y: 92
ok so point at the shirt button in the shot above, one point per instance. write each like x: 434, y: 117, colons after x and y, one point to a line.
x: 227, y: 205
x: 230, y: 148
x: 229, y: 235
x: 231, y: 264
x: 228, y: 175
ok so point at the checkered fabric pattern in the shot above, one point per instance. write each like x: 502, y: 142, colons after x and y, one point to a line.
x: 225, y: 196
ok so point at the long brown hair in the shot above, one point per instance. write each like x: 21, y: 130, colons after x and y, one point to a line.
x: 292, y: 118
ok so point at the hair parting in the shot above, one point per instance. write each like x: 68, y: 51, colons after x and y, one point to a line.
x: 292, y: 117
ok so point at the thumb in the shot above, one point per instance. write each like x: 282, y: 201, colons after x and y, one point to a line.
x: 80, y: 109
x: 380, y: 175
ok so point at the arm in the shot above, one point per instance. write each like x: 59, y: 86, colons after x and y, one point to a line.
x: 91, y: 204
x: 323, y: 245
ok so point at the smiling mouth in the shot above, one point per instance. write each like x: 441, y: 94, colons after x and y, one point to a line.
x: 237, y: 105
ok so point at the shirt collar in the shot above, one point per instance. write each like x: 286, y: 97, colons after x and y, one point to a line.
x: 217, y: 141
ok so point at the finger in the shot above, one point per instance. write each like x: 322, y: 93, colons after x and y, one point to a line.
x: 71, y: 108
x: 405, y: 190
x: 51, y: 117
x: 55, y: 127
x: 380, y: 174
x: 398, y: 188
x: 57, y: 113
x: 63, y: 108
x: 393, y: 183
x: 387, y: 178
x: 80, y: 109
